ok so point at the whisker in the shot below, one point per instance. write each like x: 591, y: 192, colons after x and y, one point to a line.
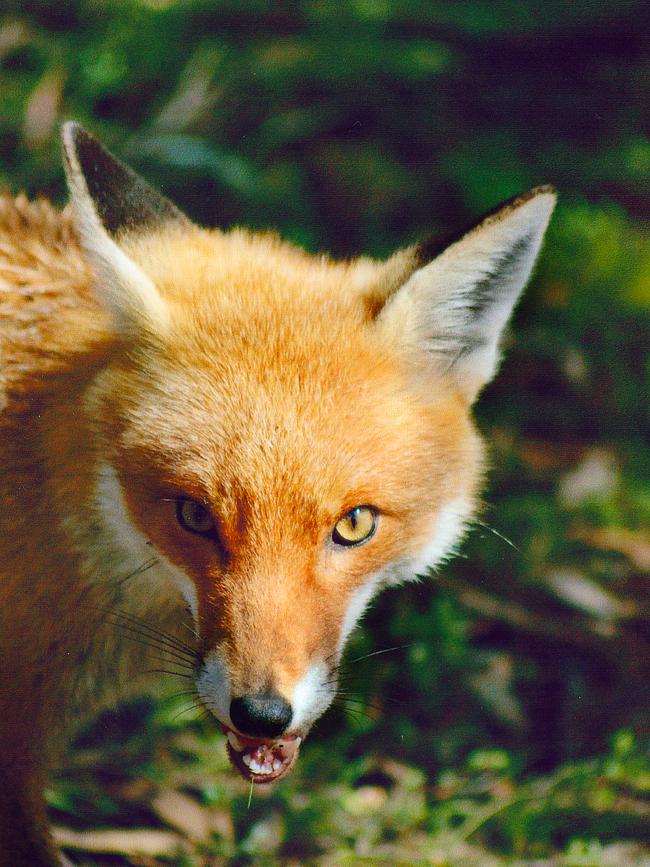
x: 360, y: 702
x: 138, y: 621
x: 191, y: 707
x: 190, y: 628
x: 167, y: 671
x: 125, y: 620
x: 154, y: 631
x: 497, y: 534
x: 379, y: 652
x: 348, y: 695
x: 355, y: 714
x: 156, y: 644
x: 183, y: 692
x: 144, y: 567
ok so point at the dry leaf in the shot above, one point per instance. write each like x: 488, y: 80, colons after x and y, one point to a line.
x: 597, y: 475
x: 582, y: 592
x: 633, y: 545
x: 42, y: 108
x: 194, y: 820
x: 143, y: 841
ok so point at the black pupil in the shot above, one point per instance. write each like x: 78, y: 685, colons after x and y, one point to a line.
x: 354, y: 518
x: 199, y: 514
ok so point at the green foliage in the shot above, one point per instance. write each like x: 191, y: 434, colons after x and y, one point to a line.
x: 510, y: 722
x: 375, y: 808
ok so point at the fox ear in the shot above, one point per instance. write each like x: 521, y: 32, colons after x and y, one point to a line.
x: 111, y: 202
x: 455, y: 306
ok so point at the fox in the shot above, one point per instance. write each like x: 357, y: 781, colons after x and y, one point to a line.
x: 216, y: 449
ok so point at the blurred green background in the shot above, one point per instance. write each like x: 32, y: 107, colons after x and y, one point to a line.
x: 510, y: 721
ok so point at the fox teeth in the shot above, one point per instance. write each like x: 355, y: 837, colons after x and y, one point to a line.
x: 234, y: 742
x: 263, y: 769
x: 257, y: 768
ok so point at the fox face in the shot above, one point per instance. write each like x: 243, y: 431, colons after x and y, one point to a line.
x: 284, y: 435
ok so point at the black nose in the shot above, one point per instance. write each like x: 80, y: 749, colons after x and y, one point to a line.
x: 263, y: 716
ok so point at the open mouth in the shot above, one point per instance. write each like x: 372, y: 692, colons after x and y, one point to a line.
x: 262, y: 760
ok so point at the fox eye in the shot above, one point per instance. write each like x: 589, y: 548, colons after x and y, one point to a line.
x: 356, y: 527
x: 194, y: 517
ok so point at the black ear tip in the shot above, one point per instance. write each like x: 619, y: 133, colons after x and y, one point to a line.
x: 544, y: 190
x: 121, y: 199
x: 77, y: 139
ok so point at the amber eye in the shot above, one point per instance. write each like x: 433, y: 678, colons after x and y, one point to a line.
x: 356, y: 527
x: 194, y: 517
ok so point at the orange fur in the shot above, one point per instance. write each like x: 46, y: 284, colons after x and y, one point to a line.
x: 273, y: 504
x: 274, y: 395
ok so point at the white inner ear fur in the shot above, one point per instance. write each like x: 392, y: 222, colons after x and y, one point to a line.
x: 123, y: 288
x: 455, y: 308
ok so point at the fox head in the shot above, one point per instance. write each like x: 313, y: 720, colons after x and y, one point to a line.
x: 286, y: 434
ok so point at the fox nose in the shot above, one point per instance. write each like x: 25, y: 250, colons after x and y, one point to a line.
x: 263, y: 716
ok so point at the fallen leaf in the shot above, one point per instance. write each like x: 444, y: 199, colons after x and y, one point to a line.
x: 42, y: 108
x: 143, y: 841
x: 633, y: 545
x: 194, y: 820
x: 597, y: 475
x: 582, y: 592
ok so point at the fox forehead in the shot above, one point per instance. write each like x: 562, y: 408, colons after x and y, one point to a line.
x: 241, y: 270
x: 272, y: 374
x: 339, y: 425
